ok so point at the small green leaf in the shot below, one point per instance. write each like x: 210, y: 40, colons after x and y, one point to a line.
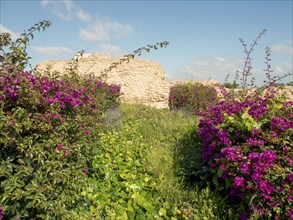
x: 163, y: 212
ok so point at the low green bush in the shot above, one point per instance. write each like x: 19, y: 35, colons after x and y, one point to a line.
x: 192, y: 97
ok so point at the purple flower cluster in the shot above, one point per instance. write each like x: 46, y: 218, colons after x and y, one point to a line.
x: 1, y: 213
x: 50, y: 102
x: 257, y: 161
x: 53, y: 91
x: 279, y: 124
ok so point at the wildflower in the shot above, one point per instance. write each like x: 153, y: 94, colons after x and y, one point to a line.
x: 256, y: 175
x: 66, y: 154
x: 255, y: 142
x: 1, y: 212
x: 11, y: 123
x: 86, y: 170
x: 290, y: 177
x: 59, y: 147
x: 245, y: 167
x: 239, y: 181
x: 87, y: 132
x: 280, y: 124
x: 244, y: 216
x: 266, y: 187
x: 289, y: 214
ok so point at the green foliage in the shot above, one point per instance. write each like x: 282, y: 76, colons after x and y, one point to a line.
x: 192, y: 97
x: 68, y: 151
x: 16, y: 58
x: 47, y: 129
x: 290, y: 84
x: 122, y: 183
x: 229, y: 85
x: 121, y: 187
x: 246, y: 145
x: 142, y: 170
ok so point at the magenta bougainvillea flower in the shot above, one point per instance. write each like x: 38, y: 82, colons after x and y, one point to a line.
x: 249, y: 142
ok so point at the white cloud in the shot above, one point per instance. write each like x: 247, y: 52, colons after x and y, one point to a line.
x: 285, y: 49
x: 66, y: 10
x: 44, y: 3
x: 98, y: 33
x: 104, y: 29
x: 53, y: 51
x: 112, y: 49
x: 83, y: 16
x: 216, y: 68
x: 283, y: 68
x: 14, y: 35
x: 63, y: 8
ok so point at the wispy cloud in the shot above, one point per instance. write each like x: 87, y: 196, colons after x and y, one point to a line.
x: 62, y: 8
x: 285, y: 49
x: 104, y: 29
x: 83, y: 16
x: 66, y: 9
x: 112, y: 49
x: 283, y: 68
x: 53, y: 51
x: 14, y: 35
x: 216, y: 68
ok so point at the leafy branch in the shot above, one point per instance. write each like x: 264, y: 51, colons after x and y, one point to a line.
x: 128, y: 57
x: 247, y: 63
x: 18, y: 57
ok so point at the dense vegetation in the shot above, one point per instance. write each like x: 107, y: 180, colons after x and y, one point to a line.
x: 69, y: 150
x: 192, y: 97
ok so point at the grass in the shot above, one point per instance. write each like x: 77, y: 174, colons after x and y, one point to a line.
x: 166, y: 145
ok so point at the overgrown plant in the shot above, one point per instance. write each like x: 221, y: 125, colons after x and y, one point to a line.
x: 47, y: 130
x: 16, y: 58
x: 242, y: 78
x: 192, y: 97
x: 247, y: 145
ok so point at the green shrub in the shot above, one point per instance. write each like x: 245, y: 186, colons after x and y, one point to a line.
x: 192, y: 97
x: 47, y: 129
x: 229, y: 85
x: 246, y: 144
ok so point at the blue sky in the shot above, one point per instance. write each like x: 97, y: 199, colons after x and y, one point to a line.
x: 203, y: 35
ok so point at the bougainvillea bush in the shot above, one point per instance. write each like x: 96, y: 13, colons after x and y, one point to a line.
x: 47, y: 128
x: 248, y: 146
x: 192, y: 97
x: 247, y: 142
